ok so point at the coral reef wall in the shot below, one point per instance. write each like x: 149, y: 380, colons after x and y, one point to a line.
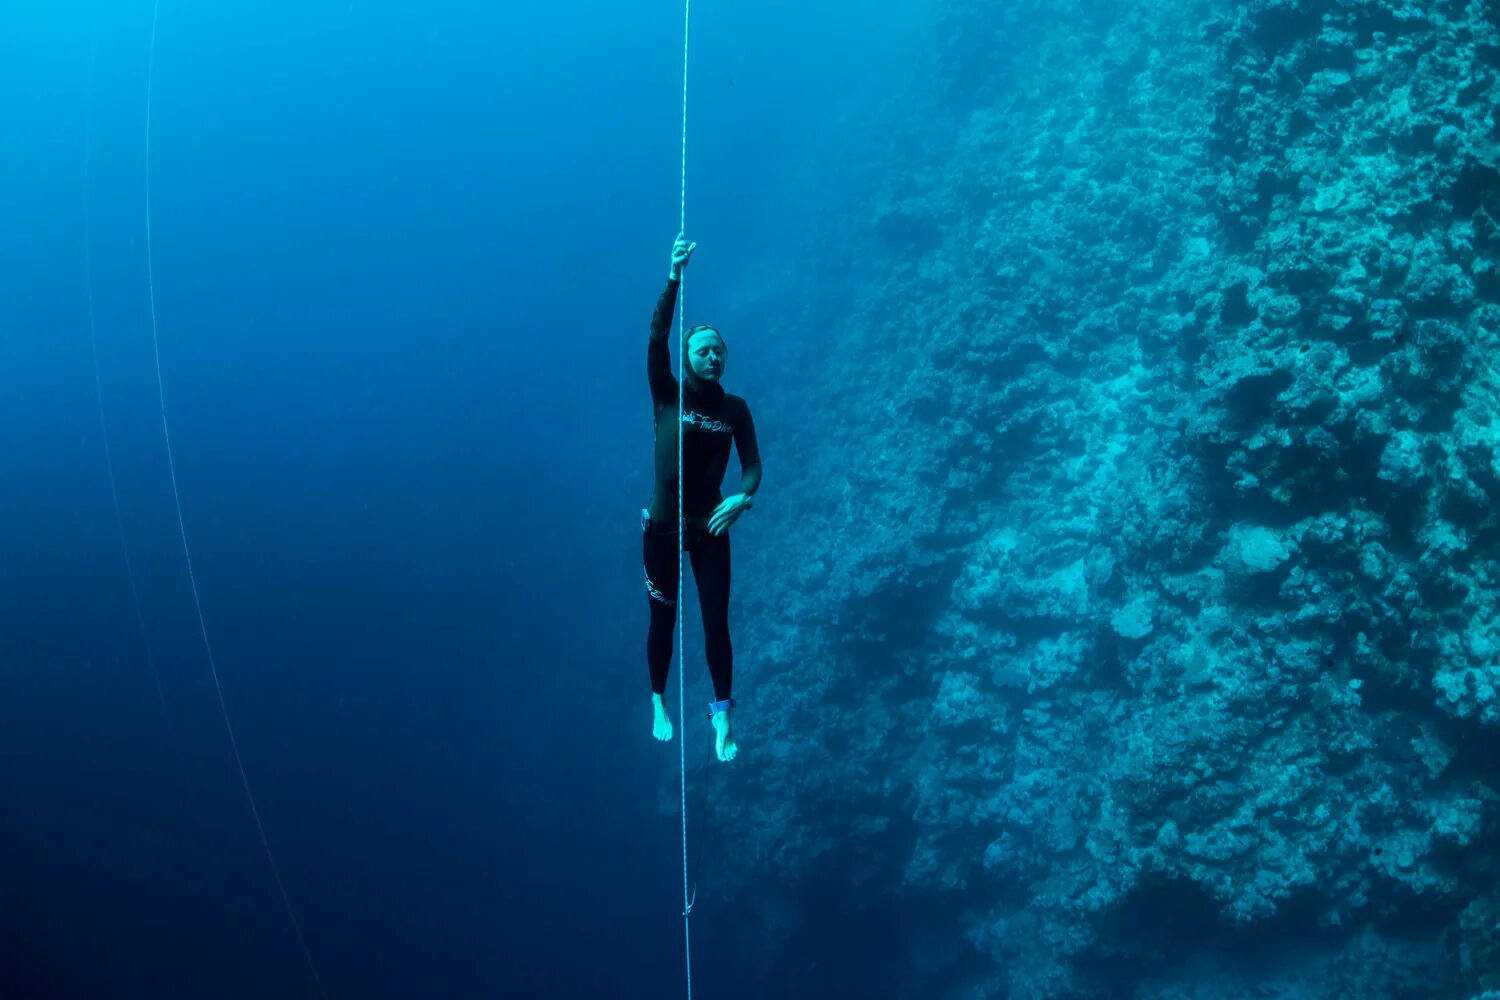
x: 1141, y: 633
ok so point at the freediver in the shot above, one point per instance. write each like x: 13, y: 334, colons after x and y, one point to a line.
x: 711, y: 419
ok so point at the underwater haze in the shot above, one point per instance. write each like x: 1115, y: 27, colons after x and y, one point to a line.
x: 1117, y: 618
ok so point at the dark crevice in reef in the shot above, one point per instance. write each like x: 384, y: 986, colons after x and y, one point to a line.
x: 1376, y: 18
x: 1476, y: 751
x: 885, y: 631
x: 1236, y: 309
x: 1368, y: 353
x: 1359, y: 457
x: 1477, y: 186
x: 1252, y: 399
x: 1472, y: 514
x: 1405, y: 696
x: 1442, y: 594
x: 855, y: 943
x: 1162, y: 917
x: 1487, y: 284
x: 1168, y: 919
x: 1402, y: 510
x: 1277, y: 27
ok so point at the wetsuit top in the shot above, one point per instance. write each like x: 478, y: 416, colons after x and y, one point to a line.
x: 712, y: 417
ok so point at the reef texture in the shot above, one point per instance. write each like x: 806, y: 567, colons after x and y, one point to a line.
x: 1143, y: 637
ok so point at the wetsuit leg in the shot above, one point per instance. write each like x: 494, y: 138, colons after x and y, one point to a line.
x: 660, y: 557
x: 710, y: 556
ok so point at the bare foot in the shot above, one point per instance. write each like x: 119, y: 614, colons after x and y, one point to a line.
x: 661, y: 728
x: 724, y: 740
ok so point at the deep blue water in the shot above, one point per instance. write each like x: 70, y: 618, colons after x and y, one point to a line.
x: 403, y: 260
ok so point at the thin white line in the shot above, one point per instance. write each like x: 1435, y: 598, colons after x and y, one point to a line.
x: 186, y: 549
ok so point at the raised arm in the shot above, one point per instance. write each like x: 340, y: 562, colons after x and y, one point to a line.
x: 658, y: 358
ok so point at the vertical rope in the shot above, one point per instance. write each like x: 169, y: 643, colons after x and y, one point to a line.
x: 187, y: 554
x: 687, y: 902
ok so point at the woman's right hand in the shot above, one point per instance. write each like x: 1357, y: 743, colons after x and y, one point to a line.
x: 682, y: 251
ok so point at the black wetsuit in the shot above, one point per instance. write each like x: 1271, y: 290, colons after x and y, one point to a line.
x: 713, y: 419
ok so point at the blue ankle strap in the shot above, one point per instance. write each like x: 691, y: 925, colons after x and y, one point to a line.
x: 714, y: 708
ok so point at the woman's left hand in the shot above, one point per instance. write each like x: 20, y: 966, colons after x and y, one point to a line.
x: 727, y: 513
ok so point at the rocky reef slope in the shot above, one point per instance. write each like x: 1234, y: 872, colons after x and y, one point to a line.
x: 1144, y: 620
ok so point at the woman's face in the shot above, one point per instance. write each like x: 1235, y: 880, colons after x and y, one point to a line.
x: 707, y: 355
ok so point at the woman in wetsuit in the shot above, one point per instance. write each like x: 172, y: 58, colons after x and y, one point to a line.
x: 711, y: 419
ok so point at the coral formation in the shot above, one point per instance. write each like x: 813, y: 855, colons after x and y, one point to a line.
x: 1174, y: 642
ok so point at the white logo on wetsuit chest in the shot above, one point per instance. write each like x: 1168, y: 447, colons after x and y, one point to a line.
x: 702, y: 423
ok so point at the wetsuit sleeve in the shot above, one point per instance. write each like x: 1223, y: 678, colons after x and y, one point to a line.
x: 658, y: 359
x: 745, y: 444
